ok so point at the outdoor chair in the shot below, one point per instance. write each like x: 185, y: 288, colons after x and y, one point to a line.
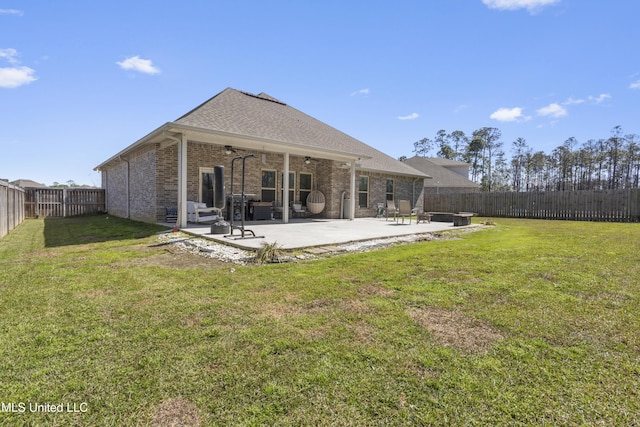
x: 171, y: 215
x: 298, y: 210
x: 277, y: 209
x: 404, y: 210
x: 391, y: 210
x: 199, y: 212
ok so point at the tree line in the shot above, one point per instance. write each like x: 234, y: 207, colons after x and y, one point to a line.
x: 596, y: 164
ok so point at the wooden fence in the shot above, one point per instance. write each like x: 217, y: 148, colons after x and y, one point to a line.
x: 63, y: 202
x: 11, y: 207
x: 605, y: 205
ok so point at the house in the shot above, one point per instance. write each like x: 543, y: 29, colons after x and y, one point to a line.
x: 448, y: 176
x: 294, y: 154
x: 28, y: 183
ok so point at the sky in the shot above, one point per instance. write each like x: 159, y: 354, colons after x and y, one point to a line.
x: 82, y: 80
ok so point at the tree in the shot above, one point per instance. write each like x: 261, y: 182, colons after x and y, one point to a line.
x: 521, y: 151
x: 423, y: 147
x: 614, y: 144
x: 473, y: 155
x: 491, y: 148
x: 442, y: 142
x: 459, y: 140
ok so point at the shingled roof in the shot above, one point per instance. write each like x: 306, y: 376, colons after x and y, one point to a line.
x: 442, y: 177
x: 265, y: 117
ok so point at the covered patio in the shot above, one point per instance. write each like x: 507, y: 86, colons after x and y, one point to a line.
x: 305, y: 233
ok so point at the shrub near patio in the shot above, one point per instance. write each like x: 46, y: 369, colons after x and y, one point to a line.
x: 522, y: 323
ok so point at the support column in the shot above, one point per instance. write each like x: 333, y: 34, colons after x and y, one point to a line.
x: 352, y: 210
x: 285, y: 190
x: 182, y: 181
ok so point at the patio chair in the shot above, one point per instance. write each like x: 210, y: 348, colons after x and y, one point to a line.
x: 404, y: 210
x: 199, y: 212
x: 391, y: 209
x: 298, y: 210
x: 171, y: 215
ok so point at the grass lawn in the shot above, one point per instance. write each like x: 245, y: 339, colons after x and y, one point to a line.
x: 524, y: 323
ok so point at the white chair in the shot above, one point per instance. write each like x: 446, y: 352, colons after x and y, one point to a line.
x: 199, y: 212
x: 298, y: 209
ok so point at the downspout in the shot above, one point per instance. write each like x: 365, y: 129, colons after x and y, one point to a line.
x: 413, y: 195
x: 342, y: 205
x: 128, y: 198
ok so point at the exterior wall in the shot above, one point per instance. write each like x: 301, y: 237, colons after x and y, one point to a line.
x: 142, y: 185
x: 328, y: 177
x: 460, y: 170
x: 206, y: 155
x: 405, y: 188
x: 130, y: 188
x: 114, y: 181
x: 167, y: 180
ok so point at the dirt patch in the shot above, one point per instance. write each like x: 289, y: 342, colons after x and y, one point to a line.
x: 279, y: 310
x: 454, y: 329
x: 176, y: 413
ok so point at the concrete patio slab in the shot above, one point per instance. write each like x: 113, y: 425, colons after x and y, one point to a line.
x: 305, y: 233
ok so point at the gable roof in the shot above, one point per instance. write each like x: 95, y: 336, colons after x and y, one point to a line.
x: 442, y: 177
x: 440, y: 161
x: 264, y: 118
x: 28, y: 183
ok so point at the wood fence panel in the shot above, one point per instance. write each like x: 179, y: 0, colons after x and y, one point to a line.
x: 63, y: 202
x: 598, y: 205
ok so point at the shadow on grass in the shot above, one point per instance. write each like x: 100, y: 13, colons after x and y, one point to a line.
x: 94, y: 228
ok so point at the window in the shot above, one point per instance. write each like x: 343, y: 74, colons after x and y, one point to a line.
x: 268, y: 186
x: 389, y: 190
x: 206, y: 186
x: 363, y: 192
x: 306, y: 181
x: 292, y: 186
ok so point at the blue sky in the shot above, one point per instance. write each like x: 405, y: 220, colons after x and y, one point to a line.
x: 81, y: 80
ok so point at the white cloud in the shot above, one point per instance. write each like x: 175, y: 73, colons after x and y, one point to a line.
x: 552, y: 110
x: 11, y: 12
x: 531, y: 5
x: 411, y: 116
x: 635, y: 85
x: 600, y: 98
x: 10, y: 55
x: 364, y: 91
x: 508, y: 114
x: 591, y: 99
x: 136, y: 63
x: 572, y: 101
x: 13, y: 77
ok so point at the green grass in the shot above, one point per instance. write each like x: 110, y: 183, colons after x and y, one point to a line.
x: 524, y: 323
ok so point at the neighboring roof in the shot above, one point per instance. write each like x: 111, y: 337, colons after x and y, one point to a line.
x: 442, y: 177
x: 446, y: 162
x: 264, y: 118
x: 27, y: 183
